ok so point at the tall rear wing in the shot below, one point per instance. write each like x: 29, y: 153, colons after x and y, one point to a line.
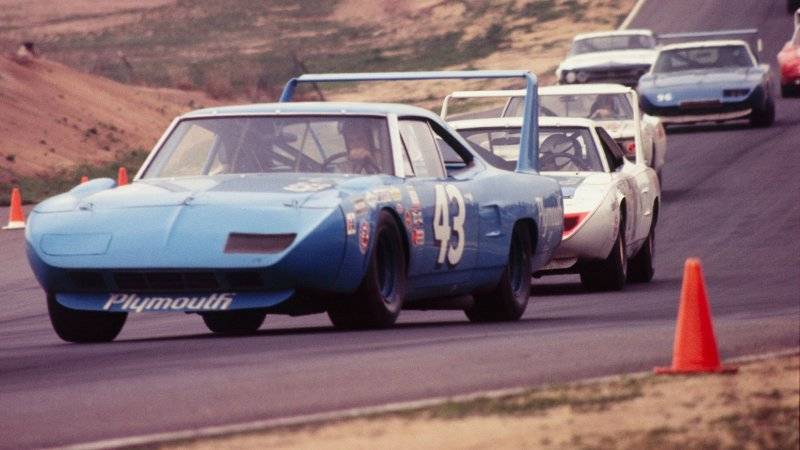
x: 529, y: 142
x: 633, y: 98
x: 478, y: 94
x: 750, y: 34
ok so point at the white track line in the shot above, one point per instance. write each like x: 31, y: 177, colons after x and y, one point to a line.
x: 309, y: 419
x: 632, y: 14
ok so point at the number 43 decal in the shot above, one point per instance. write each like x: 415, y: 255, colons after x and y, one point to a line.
x: 442, y: 230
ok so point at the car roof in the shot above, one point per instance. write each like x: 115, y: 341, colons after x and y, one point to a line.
x: 703, y: 44
x: 504, y: 122
x: 377, y: 109
x: 588, y: 88
x: 612, y: 33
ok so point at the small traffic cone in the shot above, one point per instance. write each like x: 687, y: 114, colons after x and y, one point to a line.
x: 695, y: 349
x: 16, y: 217
x: 84, y: 179
x: 122, y: 177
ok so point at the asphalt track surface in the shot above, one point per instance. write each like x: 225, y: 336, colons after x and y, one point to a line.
x: 731, y: 197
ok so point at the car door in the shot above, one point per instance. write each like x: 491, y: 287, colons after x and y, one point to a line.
x: 444, y: 210
x: 622, y: 172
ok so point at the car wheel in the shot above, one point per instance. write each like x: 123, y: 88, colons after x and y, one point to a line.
x: 379, y: 298
x: 789, y: 90
x: 765, y: 116
x: 234, y: 322
x: 640, y: 267
x: 610, y: 273
x: 508, y: 300
x: 73, y: 325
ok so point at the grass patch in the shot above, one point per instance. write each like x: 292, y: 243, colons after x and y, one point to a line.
x: 35, y: 189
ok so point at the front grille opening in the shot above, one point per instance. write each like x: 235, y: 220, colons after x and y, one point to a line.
x: 244, y: 280
x: 200, y: 280
x: 130, y: 281
x: 85, y: 279
x: 165, y: 281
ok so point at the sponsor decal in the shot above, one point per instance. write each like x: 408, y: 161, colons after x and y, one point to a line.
x: 408, y: 219
x: 412, y: 194
x: 308, y: 186
x: 350, y: 220
x: 416, y: 217
x: 371, y: 198
x: 385, y: 195
x: 418, y: 237
x: 396, y: 194
x: 363, y: 237
x: 360, y: 206
x: 134, y: 303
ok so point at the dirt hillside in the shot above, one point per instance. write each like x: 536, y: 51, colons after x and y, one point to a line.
x: 54, y: 117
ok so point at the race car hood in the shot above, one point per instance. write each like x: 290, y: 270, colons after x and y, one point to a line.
x: 187, y: 222
x: 573, y: 183
x: 619, y: 128
x: 612, y: 58
x: 261, y: 189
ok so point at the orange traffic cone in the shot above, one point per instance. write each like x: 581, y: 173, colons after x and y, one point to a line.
x: 16, y: 217
x: 84, y: 179
x: 122, y: 177
x: 695, y: 345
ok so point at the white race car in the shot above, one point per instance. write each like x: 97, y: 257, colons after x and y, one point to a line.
x: 613, y: 106
x: 620, y: 56
x: 610, y: 203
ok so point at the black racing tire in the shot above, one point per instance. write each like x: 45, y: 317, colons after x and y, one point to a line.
x: 73, y: 325
x: 508, y: 300
x: 234, y: 323
x: 764, y: 117
x: 379, y: 298
x: 789, y: 90
x: 608, y: 274
x: 641, y: 267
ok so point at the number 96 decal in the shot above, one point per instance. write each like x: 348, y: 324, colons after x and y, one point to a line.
x: 443, y: 231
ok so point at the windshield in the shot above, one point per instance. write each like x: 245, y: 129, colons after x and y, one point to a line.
x: 267, y: 144
x: 561, y: 149
x: 586, y: 106
x: 703, y: 58
x: 609, y: 43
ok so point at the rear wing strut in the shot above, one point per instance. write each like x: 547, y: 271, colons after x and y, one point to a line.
x: 529, y: 142
x: 478, y: 94
x: 703, y: 35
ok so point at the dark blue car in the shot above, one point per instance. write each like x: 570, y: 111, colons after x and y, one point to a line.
x: 354, y: 209
x: 708, y: 81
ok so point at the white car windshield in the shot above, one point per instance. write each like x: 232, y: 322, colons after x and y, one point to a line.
x: 266, y: 144
x: 561, y: 149
x: 610, y: 43
x: 698, y: 58
x: 586, y: 106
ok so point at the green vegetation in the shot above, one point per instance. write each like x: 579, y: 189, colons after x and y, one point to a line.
x: 36, y: 189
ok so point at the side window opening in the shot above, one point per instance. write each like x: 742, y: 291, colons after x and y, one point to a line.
x: 421, y: 148
x: 614, y: 153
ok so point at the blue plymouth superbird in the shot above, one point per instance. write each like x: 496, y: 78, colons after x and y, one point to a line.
x: 354, y: 209
x: 708, y: 81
